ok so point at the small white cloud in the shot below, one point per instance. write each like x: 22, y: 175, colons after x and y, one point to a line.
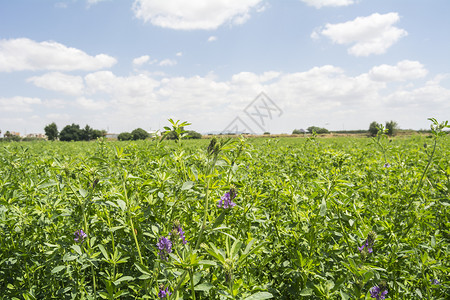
x: 404, y: 70
x: 370, y: 35
x: 322, y: 3
x: 199, y: 14
x: 18, y: 104
x: 141, y: 60
x: 61, y: 5
x: 179, y: 54
x: 90, y: 104
x: 212, y: 38
x: 167, y: 63
x: 93, y: 2
x: 25, y: 54
x: 60, y: 82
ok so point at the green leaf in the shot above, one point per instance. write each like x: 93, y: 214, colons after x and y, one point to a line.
x: 207, y: 262
x: 123, y: 278
x: 344, y: 296
x: 306, y: 292
x: 219, y: 220
x: 203, y: 287
x: 122, y: 204
x: 323, y: 208
x: 260, y: 295
x: 76, y: 248
x: 187, y: 185
x: 103, y: 250
x: 58, y: 269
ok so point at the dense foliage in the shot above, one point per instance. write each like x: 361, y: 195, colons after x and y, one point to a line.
x: 226, y: 219
x: 75, y: 133
x: 51, y: 131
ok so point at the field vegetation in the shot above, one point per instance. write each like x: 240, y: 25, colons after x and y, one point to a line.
x: 281, y: 218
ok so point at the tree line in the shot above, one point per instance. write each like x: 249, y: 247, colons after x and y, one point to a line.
x: 73, y: 133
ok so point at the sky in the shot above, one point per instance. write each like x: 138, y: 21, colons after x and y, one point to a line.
x: 223, y: 65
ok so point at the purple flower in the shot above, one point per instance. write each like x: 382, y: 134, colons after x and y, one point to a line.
x: 226, y: 201
x: 368, y: 242
x: 387, y: 165
x: 434, y: 281
x: 178, y: 231
x: 79, y: 236
x: 163, y: 293
x: 377, y: 293
x: 165, y: 247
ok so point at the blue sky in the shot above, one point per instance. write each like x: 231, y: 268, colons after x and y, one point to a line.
x: 119, y: 65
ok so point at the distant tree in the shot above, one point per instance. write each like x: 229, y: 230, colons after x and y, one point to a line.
x: 139, y: 134
x: 318, y: 130
x: 7, y: 134
x: 98, y: 134
x: 71, y: 133
x: 373, y: 128
x: 391, y: 127
x: 266, y: 133
x: 51, y: 131
x: 124, y: 136
x: 298, y: 131
x: 86, y: 133
x: 193, y: 135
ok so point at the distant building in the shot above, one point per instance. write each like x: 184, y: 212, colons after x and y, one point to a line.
x: 154, y: 133
x: 111, y: 135
x: 37, y: 135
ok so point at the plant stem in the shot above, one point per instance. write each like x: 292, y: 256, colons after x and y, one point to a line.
x: 133, y: 232
x: 191, y: 274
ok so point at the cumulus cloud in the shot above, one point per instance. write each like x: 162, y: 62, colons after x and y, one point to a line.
x: 141, y: 60
x: 25, y: 54
x: 199, y: 14
x: 18, y: 104
x: 132, y: 89
x: 402, y: 71
x: 90, y: 104
x: 322, y: 3
x: 179, y: 54
x: 369, y: 35
x: 212, y: 38
x: 168, y: 62
x: 60, y: 82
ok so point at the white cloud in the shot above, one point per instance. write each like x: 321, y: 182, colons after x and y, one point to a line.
x: 179, y: 54
x: 18, y: 104
x: 167, y: 63
x: 404, y: 70
x: 141, y: 60
x: 212, y: 38
x: 198, y: 14
x: 370, y: 35
x: 91, y: 104
x: 60, y: 82
x: 131, y: 90
x: 93, y: 2
x: 25, y: 54
x: 322, y: 3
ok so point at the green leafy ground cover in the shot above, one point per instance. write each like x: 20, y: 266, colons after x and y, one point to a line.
x: 83, y: 220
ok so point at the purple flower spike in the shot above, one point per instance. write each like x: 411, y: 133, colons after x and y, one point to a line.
x: 178, y: 231
x: 163, y: 293
x: 368, y: 242
x: 79, y: 236
x: 435, y: 281
x: 377, y: 293
x: 165, y: 247
x: 226, y: 201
